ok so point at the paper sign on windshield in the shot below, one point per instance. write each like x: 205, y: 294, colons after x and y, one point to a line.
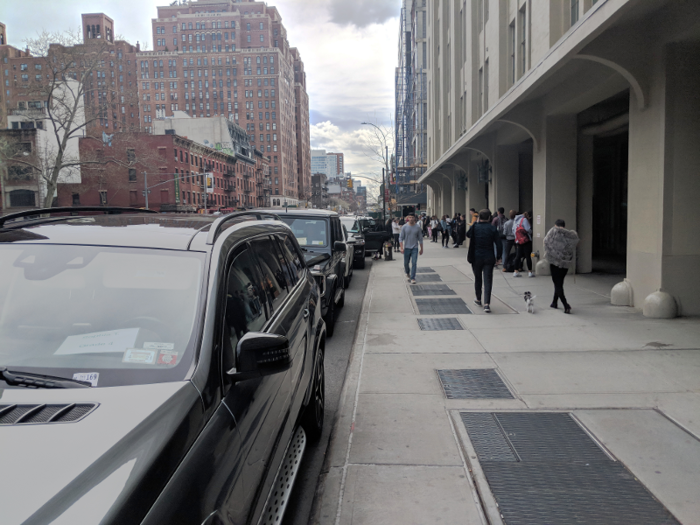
x: 99, y: 342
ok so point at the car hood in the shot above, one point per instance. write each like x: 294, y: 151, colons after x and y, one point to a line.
x: 313, y: 258
x: 84, y: 471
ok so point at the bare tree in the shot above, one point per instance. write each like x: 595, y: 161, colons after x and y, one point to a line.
x: 378, y: 145
x: 75, y: 97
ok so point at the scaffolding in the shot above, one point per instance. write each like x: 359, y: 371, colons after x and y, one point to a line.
x: 410, y: 99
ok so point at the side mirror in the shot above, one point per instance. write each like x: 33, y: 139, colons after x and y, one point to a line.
x: 339, y: 246
x: 365, y: 230
x: 259, y: 354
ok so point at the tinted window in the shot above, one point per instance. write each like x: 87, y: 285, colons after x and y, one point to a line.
x: 292, y: 254
x: 285, y: 257
x: 244, y: 307
x: 273, y: 277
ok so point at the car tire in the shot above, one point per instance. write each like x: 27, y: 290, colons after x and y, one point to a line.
x: 360, y: 263
x: 312, y: 419
x: 330, y: 320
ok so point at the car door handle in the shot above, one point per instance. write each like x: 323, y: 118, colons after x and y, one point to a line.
x: 306, y: 313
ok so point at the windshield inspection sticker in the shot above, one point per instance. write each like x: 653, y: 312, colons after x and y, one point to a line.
x: 159, y: 346
x: 99, y: 342
x: 140, y: 357
x: 90, y: 377
x: 167, y: 357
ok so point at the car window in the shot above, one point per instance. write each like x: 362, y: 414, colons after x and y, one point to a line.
x: 273, y: 278
x: 244, y: 306
x: 291, y: 254
x: 352, y: 225
x: 345, y: 232
x: 309, y: 232
x: 126, y: 315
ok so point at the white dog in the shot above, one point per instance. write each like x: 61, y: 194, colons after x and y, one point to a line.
x: 530, y: 302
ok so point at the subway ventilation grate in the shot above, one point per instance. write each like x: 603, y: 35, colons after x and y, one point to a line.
x: 431, y: 289
x: 445, y: 306
x: 425, y: 270
x: 435, y: 324
x: 544, y: 468
x: 428, y: 278
x: 473, y: 383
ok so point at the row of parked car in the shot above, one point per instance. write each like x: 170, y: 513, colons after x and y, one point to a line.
x: 161, y: 368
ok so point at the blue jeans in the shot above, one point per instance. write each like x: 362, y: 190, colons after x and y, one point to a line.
x: 412, y: 255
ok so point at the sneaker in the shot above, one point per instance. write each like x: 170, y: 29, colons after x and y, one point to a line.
x: 487, y: 309
x: 516, y: 274
x: 413, y: 281
x: 530, y: 274
x: 477, y: 302
x: 408, y: 277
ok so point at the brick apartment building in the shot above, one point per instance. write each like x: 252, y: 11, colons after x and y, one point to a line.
x: 232, y: 59
x: 172, y: 168
x: 111, y: 92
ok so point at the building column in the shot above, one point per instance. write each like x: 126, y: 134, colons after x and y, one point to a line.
x: 505, y: 179
x: 446, y: 184
x: 554, y: 181
x: 584, y: 204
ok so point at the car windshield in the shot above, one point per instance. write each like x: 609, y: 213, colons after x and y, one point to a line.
x: 351, y: 224
x: 107, y: 315
x: 309, y: 232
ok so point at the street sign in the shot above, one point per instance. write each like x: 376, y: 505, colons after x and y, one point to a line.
x: 209, y: 177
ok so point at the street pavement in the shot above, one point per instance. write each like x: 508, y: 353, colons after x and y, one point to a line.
x: 399, y: 452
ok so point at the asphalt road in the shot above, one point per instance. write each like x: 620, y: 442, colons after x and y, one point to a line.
x: 338, y: 350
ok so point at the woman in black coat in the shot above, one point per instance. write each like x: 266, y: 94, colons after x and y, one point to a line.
x: 485, y: 249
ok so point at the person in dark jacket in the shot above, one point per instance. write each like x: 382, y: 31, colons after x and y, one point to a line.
x: 485, y: 249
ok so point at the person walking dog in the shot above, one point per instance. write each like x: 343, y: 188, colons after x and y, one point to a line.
x: 411, y: 242
x: 485, y: 249
x: 559, y: 246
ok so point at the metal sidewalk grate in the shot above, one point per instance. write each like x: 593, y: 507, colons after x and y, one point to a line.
x: 442, y: 306
x: 425, y: 270
x: 434, y: 324
x: 428, y: 278
x: 474, y: 383
x: 489, y: 442
x: 557, y: 473
x: 431, y: 289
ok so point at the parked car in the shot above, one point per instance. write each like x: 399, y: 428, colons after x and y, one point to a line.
x: 352, y: 224
x: 375, y: 235
x: 348, y: 259
x: 154, y: 368
x: 321, y: 238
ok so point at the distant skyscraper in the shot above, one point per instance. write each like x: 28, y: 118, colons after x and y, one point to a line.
x: 232, y: 58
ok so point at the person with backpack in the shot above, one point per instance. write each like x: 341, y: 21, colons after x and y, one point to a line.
x: 508, y: 242
x: 485, y: 250
x: 559, y: 246
x: 523, y: 242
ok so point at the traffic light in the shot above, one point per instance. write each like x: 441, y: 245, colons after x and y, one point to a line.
x: 349, y: 184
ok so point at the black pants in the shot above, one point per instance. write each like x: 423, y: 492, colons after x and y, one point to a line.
x: 483, y: 268
x: 523, y: 252
x: 396, y: 241
x: 507, y: 247
x: 558, y: 275
x: 435, y: 234
x: 445, y: 238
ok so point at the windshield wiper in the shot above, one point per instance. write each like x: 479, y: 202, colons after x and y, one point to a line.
x: 30, y: 380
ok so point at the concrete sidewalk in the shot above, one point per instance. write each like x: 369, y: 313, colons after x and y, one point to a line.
x: 399, y: 452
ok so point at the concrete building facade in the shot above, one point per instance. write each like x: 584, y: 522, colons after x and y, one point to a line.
x: 585, y: 111
x: 231, y: 58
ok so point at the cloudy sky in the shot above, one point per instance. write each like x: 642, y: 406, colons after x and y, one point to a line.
x: 349, y: 49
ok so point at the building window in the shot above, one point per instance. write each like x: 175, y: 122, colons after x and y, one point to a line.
x: 523, y: 40
x: 103, y: 197
x: 132, y: 175
x: 511, y: 53
x: 574, y: 11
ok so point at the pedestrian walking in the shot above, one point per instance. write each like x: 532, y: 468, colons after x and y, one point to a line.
x: 461, y: 230
x: 434, y: 228
x: 395, y: 231
x: 523, y: 242
x: 446, y: 231
x: 411, y: 244
x: 509, y: 240
x: 485, y: 249
x: 559, y: 246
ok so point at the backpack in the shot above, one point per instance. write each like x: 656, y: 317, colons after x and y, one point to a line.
x: 501, y: 227
x: 521, y: 235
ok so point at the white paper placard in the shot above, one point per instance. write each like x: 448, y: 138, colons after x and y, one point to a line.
x: 99, y: 342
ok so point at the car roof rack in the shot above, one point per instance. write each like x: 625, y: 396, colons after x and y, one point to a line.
x: 73, y: 210
x: 217, y: 227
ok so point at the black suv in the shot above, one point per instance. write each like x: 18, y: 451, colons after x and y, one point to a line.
x: 322, y: 240
x: 155, y: 368
x: 375, y: 234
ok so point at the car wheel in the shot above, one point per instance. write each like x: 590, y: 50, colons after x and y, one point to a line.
x: 330, y: 320
x: 312, y: 420
x: 341, y: 303
x: 360, y: 263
